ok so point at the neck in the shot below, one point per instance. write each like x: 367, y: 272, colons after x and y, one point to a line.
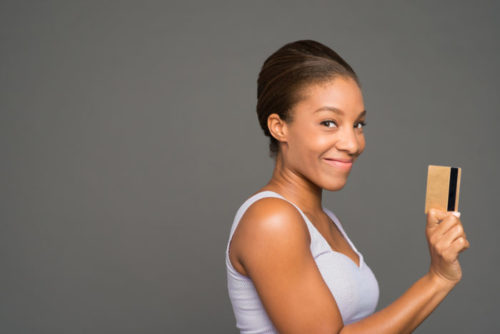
x: 294, y: 187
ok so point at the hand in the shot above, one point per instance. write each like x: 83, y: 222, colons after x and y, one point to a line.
x: 446, y: 239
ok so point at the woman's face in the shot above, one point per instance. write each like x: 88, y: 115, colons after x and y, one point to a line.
x: 327, y: 126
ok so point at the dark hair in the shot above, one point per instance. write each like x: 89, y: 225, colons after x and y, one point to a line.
x: 287, y: 71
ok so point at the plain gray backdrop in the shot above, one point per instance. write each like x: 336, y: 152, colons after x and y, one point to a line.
x: 129, y: 138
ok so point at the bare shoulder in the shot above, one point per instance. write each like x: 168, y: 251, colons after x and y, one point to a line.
x: 273, y: 218
x: 267, y: 221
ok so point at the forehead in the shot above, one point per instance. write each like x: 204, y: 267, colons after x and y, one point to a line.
x: 341, y: 93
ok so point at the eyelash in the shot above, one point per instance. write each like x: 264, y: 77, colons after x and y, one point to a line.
x: 363, y: 124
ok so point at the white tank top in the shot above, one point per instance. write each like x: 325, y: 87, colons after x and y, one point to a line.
x: 354, y: 288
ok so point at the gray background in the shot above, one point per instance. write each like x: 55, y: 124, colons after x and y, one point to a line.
x: 129, y: 138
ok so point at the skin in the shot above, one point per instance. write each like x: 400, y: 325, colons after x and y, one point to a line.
x: 271, y: 243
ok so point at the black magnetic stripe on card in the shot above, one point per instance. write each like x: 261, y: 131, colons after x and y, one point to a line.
x: 452, y: 194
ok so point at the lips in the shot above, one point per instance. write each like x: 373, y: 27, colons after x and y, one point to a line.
x: 343, y: 164
x: 340, y: 159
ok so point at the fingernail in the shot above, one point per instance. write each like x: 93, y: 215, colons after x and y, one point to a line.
x: 456, y: 214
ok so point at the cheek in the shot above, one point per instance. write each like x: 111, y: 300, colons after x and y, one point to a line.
x: 322, y: 139
x: 305, y: 140
x: 317, y: 144
x: 314, y: 144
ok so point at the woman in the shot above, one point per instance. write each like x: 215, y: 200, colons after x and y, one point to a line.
x: 291, y: 268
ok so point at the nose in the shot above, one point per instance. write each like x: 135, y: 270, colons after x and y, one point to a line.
x: 348, y: 141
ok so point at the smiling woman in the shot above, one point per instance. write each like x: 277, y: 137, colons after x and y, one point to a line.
x: 325, y: 129
x: 291, y: 267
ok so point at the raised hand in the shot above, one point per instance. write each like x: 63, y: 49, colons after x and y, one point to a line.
x: 446, y: 239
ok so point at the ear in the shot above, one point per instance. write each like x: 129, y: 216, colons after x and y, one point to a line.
x: 277, y: 127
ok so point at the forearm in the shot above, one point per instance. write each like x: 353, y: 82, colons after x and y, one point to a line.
x: 406, y: 312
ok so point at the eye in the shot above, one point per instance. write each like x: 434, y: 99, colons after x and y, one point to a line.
x: 327, y: 122
x: 363, y: 124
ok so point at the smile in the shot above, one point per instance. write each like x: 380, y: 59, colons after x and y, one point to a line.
x: 339, y: 164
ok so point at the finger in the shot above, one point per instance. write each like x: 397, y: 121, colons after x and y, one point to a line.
x: 452, y: 235
x: 467, y: 245
x: 441, y: 222
x: 459, y: 245
x: 446, y: 224
x: 435, y: 216
x: 451, y: 253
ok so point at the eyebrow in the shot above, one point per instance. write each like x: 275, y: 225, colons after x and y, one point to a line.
x: 337, y: 110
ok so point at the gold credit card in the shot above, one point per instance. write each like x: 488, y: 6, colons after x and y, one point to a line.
x: 443, y: 188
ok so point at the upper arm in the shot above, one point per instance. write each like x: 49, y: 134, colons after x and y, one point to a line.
x: 274, y: 250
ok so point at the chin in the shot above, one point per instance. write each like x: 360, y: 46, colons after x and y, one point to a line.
x: 335, y: 186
